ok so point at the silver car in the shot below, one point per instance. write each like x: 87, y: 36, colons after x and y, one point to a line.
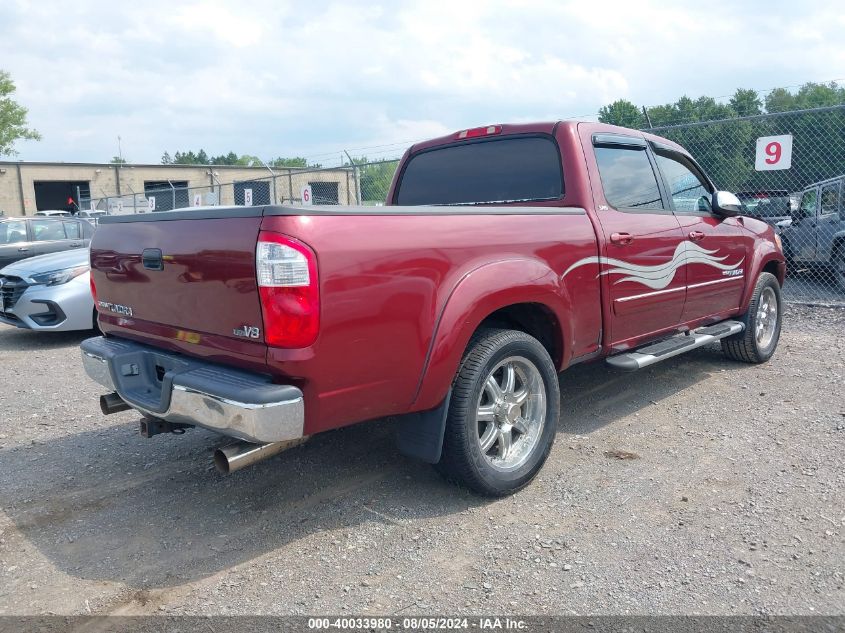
x: 49, y: 292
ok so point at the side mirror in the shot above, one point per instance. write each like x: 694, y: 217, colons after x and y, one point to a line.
x: 726, y: 204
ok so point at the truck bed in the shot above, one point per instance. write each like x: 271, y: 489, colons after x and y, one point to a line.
x: 386, y: 275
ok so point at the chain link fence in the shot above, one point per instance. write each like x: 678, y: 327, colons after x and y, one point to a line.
x: 787, y: 169
x: 359, y: 184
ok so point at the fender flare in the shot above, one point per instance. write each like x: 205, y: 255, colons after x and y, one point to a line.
x: 764, y: 253
x: 836, y: 243
x: 478, y: 294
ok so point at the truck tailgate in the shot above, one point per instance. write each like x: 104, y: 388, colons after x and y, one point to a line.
x: 192, y: 280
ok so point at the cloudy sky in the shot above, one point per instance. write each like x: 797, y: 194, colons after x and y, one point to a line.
x: 286, y: 78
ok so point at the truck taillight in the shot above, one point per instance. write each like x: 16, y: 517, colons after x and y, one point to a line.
x: 93, y: 288
x: 290, y: 297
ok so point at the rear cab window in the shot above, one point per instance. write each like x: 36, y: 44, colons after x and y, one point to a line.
x: 506, y: 169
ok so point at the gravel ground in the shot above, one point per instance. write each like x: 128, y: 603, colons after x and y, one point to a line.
x: 697, y: 486
x: 813, y: 287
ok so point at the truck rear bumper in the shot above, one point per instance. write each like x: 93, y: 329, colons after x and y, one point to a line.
x: 184, y: 390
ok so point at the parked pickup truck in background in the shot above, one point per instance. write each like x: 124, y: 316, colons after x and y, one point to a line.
x: 505, y: 255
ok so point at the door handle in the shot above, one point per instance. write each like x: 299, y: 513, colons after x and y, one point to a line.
x: 622, y: 239
x: 696, y: 236
x: 23, y: 249
x: 75, y: 244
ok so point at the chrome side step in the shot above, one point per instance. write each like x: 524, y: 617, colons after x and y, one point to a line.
x: 656, y: 352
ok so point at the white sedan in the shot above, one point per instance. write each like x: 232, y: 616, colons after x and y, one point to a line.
x: 50, y: 292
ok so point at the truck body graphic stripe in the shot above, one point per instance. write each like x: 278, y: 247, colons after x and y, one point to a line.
x: 661, y: 275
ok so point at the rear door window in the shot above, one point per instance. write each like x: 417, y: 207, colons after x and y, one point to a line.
x: 72, y: 230
x: 627, y: 178
x: 830, y: 199
x: 511, y: 169
x: 48, y: 230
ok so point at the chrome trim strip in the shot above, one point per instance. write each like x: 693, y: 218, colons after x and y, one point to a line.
x: 717, y: 281
x: 667, y: 291
x: 651, y: 294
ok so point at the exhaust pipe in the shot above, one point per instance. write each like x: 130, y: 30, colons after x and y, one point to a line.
x: 112, y: 403
x: 242, y: 454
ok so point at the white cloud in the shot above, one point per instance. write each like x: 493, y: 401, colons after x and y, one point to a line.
x: 282, y: 78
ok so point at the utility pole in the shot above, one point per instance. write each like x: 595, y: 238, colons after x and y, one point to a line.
x: 119, y: 150
x: 273, y: 176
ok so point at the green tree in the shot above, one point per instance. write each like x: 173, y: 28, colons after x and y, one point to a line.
x: 624, y: 113
x: 248, y: 160
x: 12, y: 118
x: 708, y: 109
x: 296, y: 161
x: 184, y: 158
x: 117, y: 160
x: 780, y: 100
x: 662, y: 115
x: 746, y: 102
x: 375, y: 178
x: 225, y: 159
x: 813, y: 95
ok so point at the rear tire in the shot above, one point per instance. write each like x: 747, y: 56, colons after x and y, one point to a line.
x: 503, y: 413
x: 758, y: 341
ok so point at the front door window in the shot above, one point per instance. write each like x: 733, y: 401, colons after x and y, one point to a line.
x: 808, y: 204
x: 686, y: 188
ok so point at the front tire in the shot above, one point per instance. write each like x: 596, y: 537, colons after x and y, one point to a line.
x: 758, y: 341
x: 503, y: 413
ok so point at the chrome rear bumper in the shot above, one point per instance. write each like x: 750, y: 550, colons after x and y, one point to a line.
x: 178, y: 389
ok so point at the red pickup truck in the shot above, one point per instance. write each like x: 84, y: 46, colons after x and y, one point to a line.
x: 505, y: 255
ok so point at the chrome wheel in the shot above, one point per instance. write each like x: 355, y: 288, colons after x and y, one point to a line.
x: 511, y: 413
x: 766, y: 320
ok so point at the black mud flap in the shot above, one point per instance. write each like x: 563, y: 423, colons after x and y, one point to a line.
x: 420, y: 435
